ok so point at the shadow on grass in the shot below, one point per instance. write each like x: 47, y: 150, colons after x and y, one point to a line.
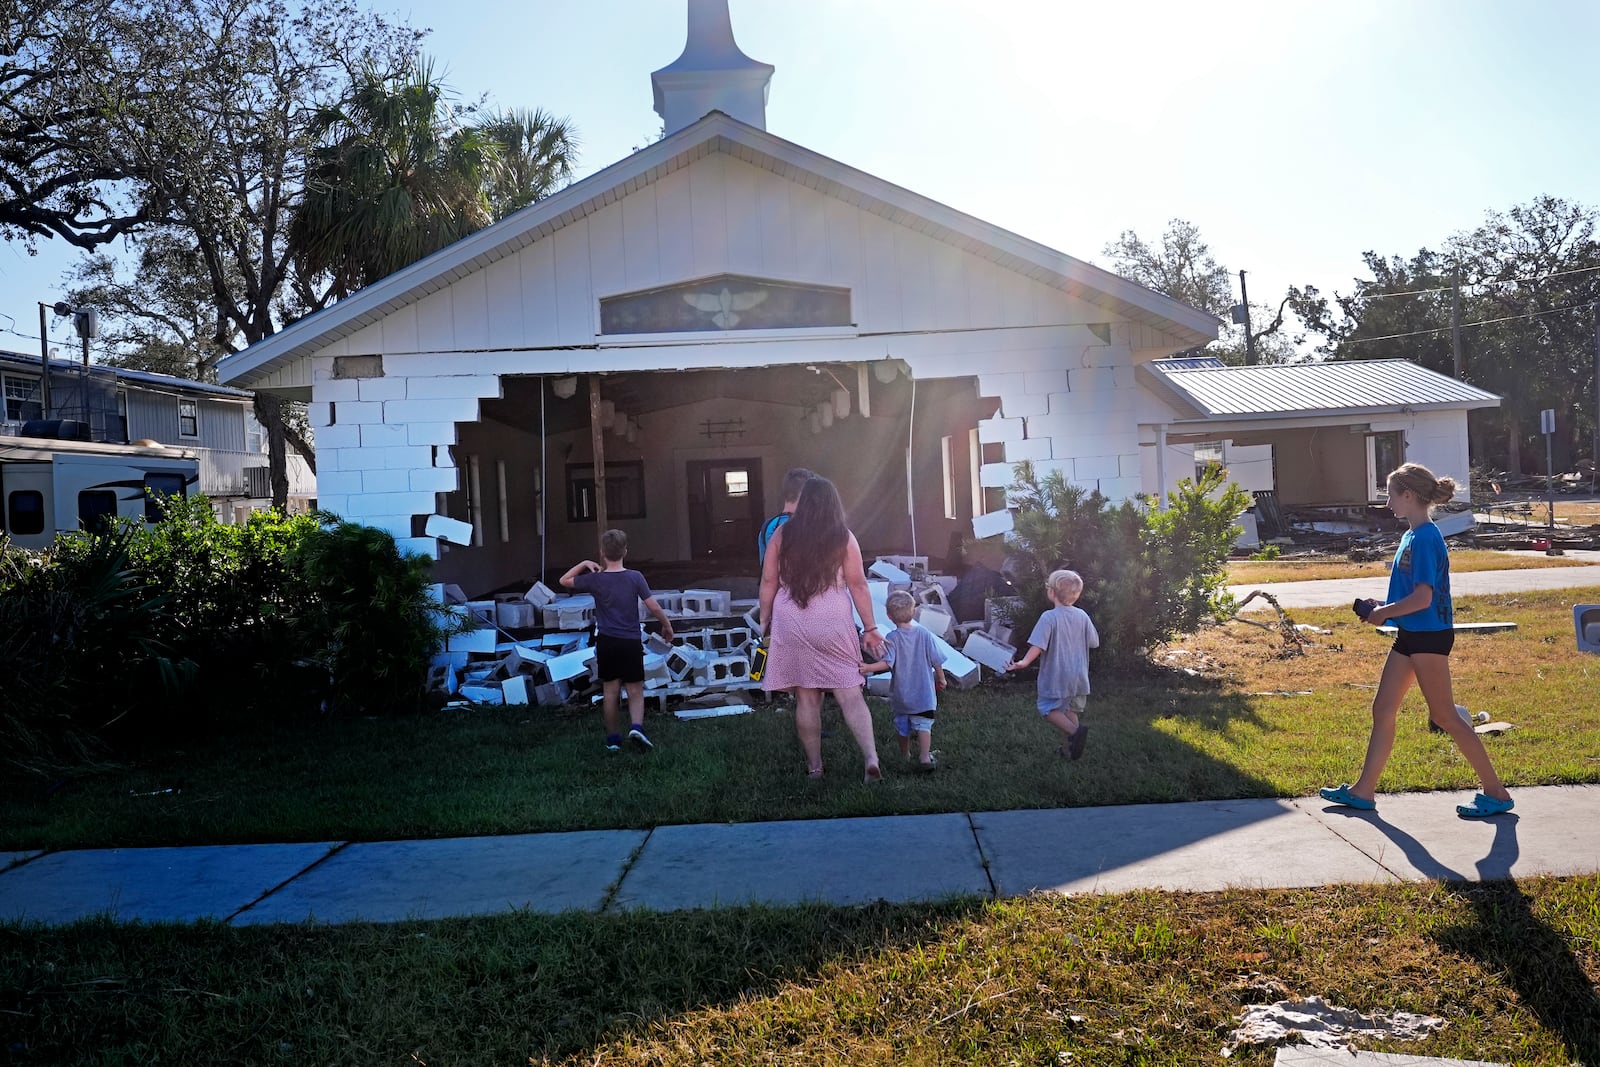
x: 511, y: 989
x: 1509, y: 938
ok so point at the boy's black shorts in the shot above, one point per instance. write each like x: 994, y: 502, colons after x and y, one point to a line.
x: 619, y: 659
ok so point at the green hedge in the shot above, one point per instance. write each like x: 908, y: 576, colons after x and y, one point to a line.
x: 155, y: 632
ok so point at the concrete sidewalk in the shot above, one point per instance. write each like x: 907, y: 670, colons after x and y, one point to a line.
x: 1196, y: 846
x: 1335, y: 592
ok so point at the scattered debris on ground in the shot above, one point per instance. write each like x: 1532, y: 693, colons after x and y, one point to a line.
x: 536, y: 647
x: 1294, y: 643
x: 1315, y: 1022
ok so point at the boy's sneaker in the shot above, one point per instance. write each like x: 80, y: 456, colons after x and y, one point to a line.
x: 1076, y: 742
x: 613, y: 742
x: 636, y: 735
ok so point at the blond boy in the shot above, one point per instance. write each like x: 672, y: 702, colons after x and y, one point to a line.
x: 1063, y: 636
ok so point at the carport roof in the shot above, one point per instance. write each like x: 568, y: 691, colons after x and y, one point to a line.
x: 717, y: 132
x: 1203, y: 388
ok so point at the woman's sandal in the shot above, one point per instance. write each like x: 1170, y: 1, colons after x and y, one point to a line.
x: 1483, y: 806
x: 814, y: 774
x: 874, y: 774
x: 1341, y: 795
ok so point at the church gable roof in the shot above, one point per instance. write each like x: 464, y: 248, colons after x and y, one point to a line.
x: 712, y: 134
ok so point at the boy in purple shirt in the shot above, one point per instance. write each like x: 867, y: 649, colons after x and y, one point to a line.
x: 618, y: 647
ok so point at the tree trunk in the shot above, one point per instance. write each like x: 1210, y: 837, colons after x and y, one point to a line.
x: 269, y: 412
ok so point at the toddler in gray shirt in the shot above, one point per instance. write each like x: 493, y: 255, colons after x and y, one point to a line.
x: 1063, y: 636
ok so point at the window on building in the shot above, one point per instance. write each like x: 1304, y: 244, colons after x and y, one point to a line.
x: 1385, y: 452
x: 188, y: 418
x: 255, y: 440
x: 25, y: 512
x: 624, y: 492
x: 96, y: 509
x: 505, y: 501
x: 157, y: 488
x: 737, y: 482
x: 1207, y: 454
x: 475, y: 501
x: 22, y: 398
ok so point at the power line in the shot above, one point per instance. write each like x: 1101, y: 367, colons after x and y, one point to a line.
x: 1465, y: 325
x: 1490, y: 281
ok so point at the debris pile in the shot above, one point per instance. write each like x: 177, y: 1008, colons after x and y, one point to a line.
x: 1315, y: 1022
x: 536, y: 647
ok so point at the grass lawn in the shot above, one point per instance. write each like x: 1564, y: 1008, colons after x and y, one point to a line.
x: 1249, y: 722
x: 1146, y: 978
x: 1256, y: 572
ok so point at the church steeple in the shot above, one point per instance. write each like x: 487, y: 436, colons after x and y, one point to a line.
x: 712, y: 74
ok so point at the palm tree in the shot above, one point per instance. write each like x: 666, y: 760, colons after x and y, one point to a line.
x: 396, y: 177
x: 537, y: 151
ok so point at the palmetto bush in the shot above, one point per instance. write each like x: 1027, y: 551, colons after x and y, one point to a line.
x: 1149, y: 573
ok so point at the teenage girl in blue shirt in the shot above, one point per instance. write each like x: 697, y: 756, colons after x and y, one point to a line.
x: 1419, y: 606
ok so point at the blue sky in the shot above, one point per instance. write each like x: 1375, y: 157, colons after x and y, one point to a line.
x: 1294, y: 135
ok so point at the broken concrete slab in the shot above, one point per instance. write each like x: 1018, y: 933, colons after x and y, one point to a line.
x: 897, y: 578
x: 390, y: 881
x: 1301, y: 1056
x: 1553, y: 830
x: 993, y: 524
x: 515, y: 690
x: 479, y: 640
x: 540, y: 596
x: 690, y: 714
x: 150, y: 884
x: 833, y: 861
x: 569, y: 665
x: 984, y: 649
x: 1194, y: 847
x: 482, y: 694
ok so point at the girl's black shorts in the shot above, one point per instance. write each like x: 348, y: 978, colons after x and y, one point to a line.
x: 1428, y: 642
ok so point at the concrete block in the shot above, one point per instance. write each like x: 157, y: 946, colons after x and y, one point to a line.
x: 936, y: 619
x: 728, y: 639
x: 947, y: 582
x: 483, y: 694
x: 1021, y: 405
x: 350, y: 459
x: 481, y: 640
x: 453, y: 659
x: 513, y: 614
x: 752, y: 619
x: 690, y: 714
x: 430, y: 433
x: 570, y: 665
x: 442, y: 678
x: 1042, y: 383
x: 337, y: 483
x: 381, y: 388
x: 1000, y: 384
x: 337, y: 437
x: 1095, y: 468
x: 396, y: 526
x: 381, y: 435
x: 996, y: 475
x: 985, y: 650
x: 388, y: 505
x: 525, y: 659
x: 963, y: 671
x: 464, y: 409
x: 319, y: 414
x: 656, y: 645
x: 722, y: 671
x: 916, y: 566
x: 991, y: 431
x: 1035, y: 449
x: 932, y: 594
x: 705, y: 601
x: 565, y: 641
x: 382, y: 481
x: 432, y: 480
x: 682, y: 662
x: 355, y: 412
x: 540, y: 595
x: 993, y: 524
x: 514, y: 690
x: 335, y: 392
x: 453, y: 386
x: 878, y: 684
x: 406, y: 457
x: 890, y: 573
x: 453, y: 594
x: 453, y: 530
x: 552, y: 694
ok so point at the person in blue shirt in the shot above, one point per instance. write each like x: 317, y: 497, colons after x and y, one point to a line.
x: 618, y: 644
x: 793, y: 481
x: 1418, y: 604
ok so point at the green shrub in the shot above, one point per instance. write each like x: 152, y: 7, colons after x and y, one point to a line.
x: 368, y: 619
x: 1148, y: 573
x: 1266, y: 553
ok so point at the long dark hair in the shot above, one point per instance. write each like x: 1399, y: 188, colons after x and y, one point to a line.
x: 814, y: 542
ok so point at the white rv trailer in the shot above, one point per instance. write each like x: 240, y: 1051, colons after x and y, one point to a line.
x: 49, y: 487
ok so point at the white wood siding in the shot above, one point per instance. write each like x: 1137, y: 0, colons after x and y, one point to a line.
x: 719, y: 214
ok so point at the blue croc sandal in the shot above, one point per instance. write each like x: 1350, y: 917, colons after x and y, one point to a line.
x: 1484, y: 806
x: 1341, y: 795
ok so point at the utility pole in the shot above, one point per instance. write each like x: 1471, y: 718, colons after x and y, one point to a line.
x: 1596, y: 308
x: 1249, y: 341
x: 1455, y: 324
x: 44, y: 361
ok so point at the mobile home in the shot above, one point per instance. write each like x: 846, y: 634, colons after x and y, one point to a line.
x: 50, y: 487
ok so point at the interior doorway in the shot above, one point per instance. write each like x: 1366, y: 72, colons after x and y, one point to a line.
x: 725, y: 508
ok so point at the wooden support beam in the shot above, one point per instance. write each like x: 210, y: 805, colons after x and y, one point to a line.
x: 598, y: 438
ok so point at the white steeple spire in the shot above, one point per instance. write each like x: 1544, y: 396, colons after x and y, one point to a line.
x: 712, y: 74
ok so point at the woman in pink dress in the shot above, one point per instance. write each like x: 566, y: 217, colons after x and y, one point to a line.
x: 810, y: 579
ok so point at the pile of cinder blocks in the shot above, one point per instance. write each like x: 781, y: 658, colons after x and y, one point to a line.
x: 487, y: 664
x: 985, y: 644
